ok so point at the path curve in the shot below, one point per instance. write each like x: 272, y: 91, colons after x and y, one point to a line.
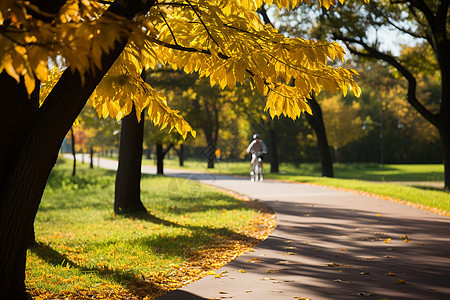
x: 330, y: 244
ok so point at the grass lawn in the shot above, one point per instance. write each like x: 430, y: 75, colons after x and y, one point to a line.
x: 84, y: 250
x: 370, y: 178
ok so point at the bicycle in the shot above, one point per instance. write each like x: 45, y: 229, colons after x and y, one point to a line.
x: 256, y: 167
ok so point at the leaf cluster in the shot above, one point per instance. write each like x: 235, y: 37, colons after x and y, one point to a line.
x: 223, y: 40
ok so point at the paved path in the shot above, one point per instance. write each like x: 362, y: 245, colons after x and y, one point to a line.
x: 331, y: 244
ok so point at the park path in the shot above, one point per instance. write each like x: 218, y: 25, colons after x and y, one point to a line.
x: 330, y: 244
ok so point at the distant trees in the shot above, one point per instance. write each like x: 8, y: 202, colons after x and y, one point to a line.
x: 342, y: 121
x: 426, y: 22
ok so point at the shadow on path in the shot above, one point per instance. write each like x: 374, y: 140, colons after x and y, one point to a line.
x: 180, y: 295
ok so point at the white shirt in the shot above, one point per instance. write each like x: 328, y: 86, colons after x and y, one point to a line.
x: 256, y: 147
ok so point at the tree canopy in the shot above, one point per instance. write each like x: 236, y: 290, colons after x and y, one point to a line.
x: 225, y: 40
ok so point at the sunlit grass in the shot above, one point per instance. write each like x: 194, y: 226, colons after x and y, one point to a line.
x: 84, y: 248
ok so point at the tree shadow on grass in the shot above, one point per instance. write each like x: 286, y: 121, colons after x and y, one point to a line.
x: 128, y: 280
x: 148, y: 217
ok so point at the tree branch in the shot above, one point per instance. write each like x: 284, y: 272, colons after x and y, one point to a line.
x: 412, y: 83
x: 201, y: 20
x: 263, y: 12
x: 170, y: 29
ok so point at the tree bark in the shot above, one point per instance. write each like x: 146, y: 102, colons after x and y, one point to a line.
x: 159, y: 159
x: 128, y: 178
x: 92, y: 157
x: 180, y: 153
x: 160, y: 153
x: 74, y: 168
x: 316, y: 122
x: 26, y: 174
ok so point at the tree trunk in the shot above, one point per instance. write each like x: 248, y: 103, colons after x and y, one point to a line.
x: 24, y: 178
x: 211, y: 156
x: 180, y: 153
x: 316, y: 122
x: 92, y: 157
x: 128, y: 178
x: 160, y: 153
x: 74, y: 169
x: 274, y: 164
x: 159, y: 159
x: 444, y: 125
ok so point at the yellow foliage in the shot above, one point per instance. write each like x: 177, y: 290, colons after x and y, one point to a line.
x: 222, y: 39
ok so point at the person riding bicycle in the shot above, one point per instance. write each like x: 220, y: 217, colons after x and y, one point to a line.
x: 257, y: 148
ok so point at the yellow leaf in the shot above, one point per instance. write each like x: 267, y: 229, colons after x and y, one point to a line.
x: 29, y: 83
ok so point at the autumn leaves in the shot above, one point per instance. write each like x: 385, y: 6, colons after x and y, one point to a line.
x: 225, y: 40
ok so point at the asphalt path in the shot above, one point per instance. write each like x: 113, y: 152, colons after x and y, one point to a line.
x: 329, y: 244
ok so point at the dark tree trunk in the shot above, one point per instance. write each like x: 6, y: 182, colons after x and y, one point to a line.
x: 160, y: 153
x: 128, y: 178
x: 74, y: 169
x: 180, y: 153
x: 274, y: 164
x: 92, y: 157
x: 444, y: 128
x: 316, y: 122
x: 211, y: 156
x: 26, y: 173
x: 211, y: 129
x: 159, y: 159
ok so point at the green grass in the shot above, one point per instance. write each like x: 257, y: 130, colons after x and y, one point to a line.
x: 371, y: 178
x: 83, y: 245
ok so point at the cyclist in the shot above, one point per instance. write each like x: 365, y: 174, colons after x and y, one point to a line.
x: 257, y: 148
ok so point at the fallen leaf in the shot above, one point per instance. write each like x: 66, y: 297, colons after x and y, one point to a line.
x: 289, y: 247
x: 333, y: 264
x: 254, y: 260
x: 284, y: 262
x: 242, y: 271
x: 391, y: 274
x: 405, y: 238
x: 401, y: 281
x: 342, y: 281
x: 388, y: 240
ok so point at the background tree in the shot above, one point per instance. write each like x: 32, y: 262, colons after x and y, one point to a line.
x: 127, y: 198
x: 342, y: 121
x: 423, y: 21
